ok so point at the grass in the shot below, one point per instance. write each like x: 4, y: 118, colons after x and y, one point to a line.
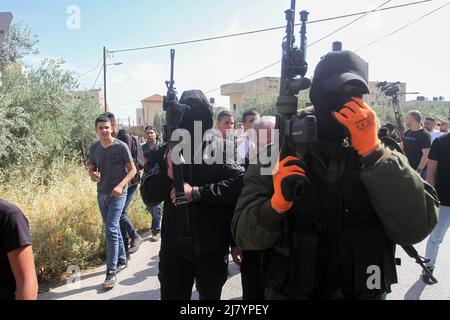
x: 65, y: 222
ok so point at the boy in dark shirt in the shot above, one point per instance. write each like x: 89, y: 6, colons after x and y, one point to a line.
x: 111, y: 165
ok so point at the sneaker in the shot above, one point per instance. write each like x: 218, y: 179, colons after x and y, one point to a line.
x: 122, y: 265
x: 426, y: 278
x: 135, y: 243
x: 155, y: 237
x: 110, y: 280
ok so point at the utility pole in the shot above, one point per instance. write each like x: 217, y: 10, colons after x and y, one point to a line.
x: 104, y: 77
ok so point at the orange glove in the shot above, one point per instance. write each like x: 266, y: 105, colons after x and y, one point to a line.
x: 360, y: 120
x: 288, y: 175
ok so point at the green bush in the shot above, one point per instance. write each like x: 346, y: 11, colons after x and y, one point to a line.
x: 65, y: 221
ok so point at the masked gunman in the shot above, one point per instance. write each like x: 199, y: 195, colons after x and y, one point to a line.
x: 336, y: 238
x: 194, y: 244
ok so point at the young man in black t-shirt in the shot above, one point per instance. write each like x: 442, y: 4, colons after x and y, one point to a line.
x: 439, y: 177
x: 17, y: 272
x: 417, y: 143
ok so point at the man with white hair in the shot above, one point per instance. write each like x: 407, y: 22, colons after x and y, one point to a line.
x: 263, y: 132
x: 250, y: 261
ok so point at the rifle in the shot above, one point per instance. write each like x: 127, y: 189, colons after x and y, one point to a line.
x: 174, y: 114
x: 412, y: 252
x: 294, y: 131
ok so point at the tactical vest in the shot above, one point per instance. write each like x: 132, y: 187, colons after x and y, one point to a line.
x: 332, y: 240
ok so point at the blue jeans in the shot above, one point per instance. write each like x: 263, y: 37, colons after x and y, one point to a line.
x: 111, y: 209
x: 437, y: 236
x: 126, y: 227
x: 155, y: 211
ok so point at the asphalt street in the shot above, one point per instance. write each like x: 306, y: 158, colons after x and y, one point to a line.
x: 140, y: 280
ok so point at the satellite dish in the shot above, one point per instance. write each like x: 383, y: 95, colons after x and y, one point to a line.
x: 5, y: 22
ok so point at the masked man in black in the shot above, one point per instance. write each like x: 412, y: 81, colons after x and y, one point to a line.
x: 212, y: 190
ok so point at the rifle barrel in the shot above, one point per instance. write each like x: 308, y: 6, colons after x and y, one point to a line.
x: 172, y: 66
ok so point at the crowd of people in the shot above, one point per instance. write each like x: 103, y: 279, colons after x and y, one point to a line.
x: 426, y: 145
x: 310, y: 230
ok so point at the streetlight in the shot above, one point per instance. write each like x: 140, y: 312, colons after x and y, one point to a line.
x: 5, y: 22
x: 105, y: 55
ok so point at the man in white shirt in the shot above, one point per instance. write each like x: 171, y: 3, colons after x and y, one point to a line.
x: 430, y: 126
x: 443, y: 125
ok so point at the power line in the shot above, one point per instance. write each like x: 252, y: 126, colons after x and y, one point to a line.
x: 82, y: 75
x: 402, y: 28
x: 310, y: 45
x: 363, y: 14
x: 249, y: 75
x: 95, y: 82
x: 264, y: 30
x: 348, y: 24
x: 370, y: 11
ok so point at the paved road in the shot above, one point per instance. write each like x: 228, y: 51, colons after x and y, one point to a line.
x: 140, y: 280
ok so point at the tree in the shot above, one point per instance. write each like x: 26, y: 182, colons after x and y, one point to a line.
x: 40, y: 122
x: 265, y: 104
x: 19, y: 42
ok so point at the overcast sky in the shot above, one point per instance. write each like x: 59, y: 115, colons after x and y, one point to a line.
x: 418, y: 55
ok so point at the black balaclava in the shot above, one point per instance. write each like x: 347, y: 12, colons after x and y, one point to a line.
x: 333, y: 71
x: 325, y: 103
x: 201, y: 110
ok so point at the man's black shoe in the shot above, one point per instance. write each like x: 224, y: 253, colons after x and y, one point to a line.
x: 135, y: 243
x: 110, y: 280
x: 122, y: 265
x: 155, y: 237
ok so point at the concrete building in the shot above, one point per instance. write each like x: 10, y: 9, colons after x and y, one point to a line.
x: 140, y: 117
x: 151, y: 106
x: 240, y: 92
x: 95, y: 94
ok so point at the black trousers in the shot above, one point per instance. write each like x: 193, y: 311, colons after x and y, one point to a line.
x: 177, y: 275
x: 252, y: 276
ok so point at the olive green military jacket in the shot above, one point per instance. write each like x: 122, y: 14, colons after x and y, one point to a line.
x: 406, y: 205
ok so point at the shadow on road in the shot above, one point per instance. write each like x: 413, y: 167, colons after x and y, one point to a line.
x: 62, y: 295
x: 415, y: 291
x: 141, y: 276
x: 143, y: 295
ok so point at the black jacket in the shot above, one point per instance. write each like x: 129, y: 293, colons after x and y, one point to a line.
x: 210, y: 218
